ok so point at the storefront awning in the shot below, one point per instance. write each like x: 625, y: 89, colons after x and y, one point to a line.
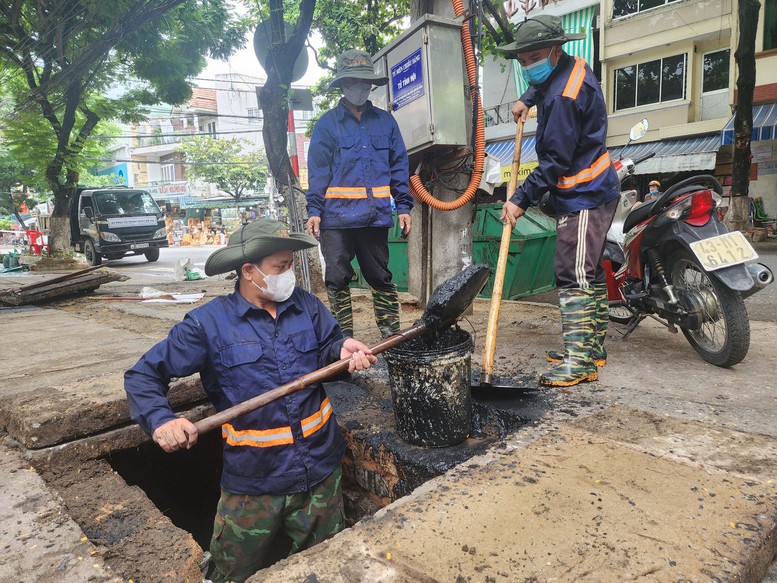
x: 503, y: 151
x: 764, y: 125
x: 698, y: 153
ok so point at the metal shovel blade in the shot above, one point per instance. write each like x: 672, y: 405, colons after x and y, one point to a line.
x: 453, y: 296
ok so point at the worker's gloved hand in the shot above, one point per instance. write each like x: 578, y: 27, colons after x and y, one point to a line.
x: 176, y: 434
x: 511, y: 212
x: 313, y: 226
x: 405, y: 223
x: 362, y: 357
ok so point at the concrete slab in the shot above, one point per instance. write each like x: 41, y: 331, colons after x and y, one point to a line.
x: 574, y: 505
x: 63, y: 378
x: 39, y: 542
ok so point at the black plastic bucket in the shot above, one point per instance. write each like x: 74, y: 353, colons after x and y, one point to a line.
x: 430, y: 388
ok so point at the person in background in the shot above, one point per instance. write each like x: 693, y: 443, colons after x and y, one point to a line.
x: 575, y: 168
x: 653, y: 190
x: 357, y: 162
x: 282, y: 462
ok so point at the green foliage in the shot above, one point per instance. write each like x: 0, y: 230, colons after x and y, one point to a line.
x: 226, y: 163
x: 344, y: 24
x: 354, y: 24
x: 98, y: 181
x: 6, y: 224
x: 66, y: 65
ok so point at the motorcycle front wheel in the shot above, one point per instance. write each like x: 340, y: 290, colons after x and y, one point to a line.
x: 723, y: 337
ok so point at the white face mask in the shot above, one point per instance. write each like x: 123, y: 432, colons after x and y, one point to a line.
x: 279, y: 287
x: 358, y: 93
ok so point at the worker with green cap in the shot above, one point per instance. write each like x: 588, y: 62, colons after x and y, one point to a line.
x: 282, y: 462
x: 575, y: 168
x: 357, y: 164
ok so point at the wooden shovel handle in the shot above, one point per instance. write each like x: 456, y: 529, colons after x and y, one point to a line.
x: 218, y: 419
x: 501, y: 266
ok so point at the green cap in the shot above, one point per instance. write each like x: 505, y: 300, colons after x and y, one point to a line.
x: 538, y: 33
x: 253, y: 242
x: 356, y: 64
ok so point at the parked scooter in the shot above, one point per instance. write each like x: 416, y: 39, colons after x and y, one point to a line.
x: 672, y: 259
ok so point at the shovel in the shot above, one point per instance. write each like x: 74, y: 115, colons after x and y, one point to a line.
x: 487, y: 374
x: 446, y: 304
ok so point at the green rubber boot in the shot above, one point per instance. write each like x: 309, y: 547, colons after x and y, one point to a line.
x: 602, y: 320
x: 578, y: 308
x: 386, y: 304
x: 340, y: 304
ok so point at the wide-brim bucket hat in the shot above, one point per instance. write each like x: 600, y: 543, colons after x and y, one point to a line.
x: 254, y: 241
x: 538, y: 33
x: 356, y: 64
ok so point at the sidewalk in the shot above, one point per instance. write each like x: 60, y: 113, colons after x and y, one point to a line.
x: 581, y: 503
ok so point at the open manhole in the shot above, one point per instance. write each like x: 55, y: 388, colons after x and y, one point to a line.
x: 151, y: 513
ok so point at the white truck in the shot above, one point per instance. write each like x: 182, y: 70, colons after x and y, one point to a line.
x: 114, y: 222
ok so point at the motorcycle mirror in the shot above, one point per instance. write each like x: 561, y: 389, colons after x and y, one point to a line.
x: 639, y: 130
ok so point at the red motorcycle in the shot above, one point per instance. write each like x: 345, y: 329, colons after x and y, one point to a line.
x: 672, y: 259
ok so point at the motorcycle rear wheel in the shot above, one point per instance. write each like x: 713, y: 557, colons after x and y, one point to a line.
x: 723, y: 338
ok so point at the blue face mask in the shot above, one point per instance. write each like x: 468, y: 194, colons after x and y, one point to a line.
x: 537, y: 73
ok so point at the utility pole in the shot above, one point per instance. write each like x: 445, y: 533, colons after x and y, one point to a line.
x: 440, y: 244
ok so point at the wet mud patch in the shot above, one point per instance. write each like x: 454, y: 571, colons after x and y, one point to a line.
x: 134, y: 537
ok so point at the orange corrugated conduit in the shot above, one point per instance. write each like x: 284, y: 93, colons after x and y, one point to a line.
x: 417, y: 188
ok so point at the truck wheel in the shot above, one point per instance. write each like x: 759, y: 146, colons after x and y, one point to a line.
x: 91, y: 254
x: 152, y: 254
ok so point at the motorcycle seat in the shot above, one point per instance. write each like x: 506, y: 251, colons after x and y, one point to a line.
x: 638, y: 214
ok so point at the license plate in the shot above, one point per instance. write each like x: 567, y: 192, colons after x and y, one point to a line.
x: 723, y: 251
x: 139, y: 246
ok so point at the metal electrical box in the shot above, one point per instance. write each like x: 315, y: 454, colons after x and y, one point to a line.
x: 427, y: 88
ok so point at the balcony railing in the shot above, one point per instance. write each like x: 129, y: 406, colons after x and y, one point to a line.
x: 174, y: 137
x: 498, y: 114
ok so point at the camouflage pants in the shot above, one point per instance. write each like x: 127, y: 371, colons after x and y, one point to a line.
x: 245, y: 526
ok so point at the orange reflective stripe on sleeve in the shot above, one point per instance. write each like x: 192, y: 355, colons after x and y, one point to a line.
x: 381, y: 191
x: 257, y: 437
x: 586, y: 175
x: 317, y: 420
x: 346, y: 192
x: 575, y: 81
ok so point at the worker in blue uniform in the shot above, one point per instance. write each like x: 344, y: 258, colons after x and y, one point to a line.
x: 357, y: 164
x: 282, y: 462
x: 575, y: 168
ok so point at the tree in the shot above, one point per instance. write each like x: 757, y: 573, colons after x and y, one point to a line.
x: 61, y: 56
x: 354, y: 18
x: 738, y: 213
x: 225, y: 163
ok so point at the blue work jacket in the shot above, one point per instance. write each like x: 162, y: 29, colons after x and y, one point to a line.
x: 574, y: 164
x: 355, y: 167
x: 240, y: 351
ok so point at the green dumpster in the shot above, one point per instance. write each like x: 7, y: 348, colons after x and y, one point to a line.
x: 529, y: 261
x: 530, y: 255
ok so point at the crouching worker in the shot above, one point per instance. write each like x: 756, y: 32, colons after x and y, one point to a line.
x: 281, y: 462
